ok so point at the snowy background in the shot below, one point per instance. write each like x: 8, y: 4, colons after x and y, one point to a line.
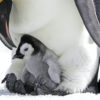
x: 5, y: 61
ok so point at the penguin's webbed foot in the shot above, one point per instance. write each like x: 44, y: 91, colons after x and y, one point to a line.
x: 14, y: 85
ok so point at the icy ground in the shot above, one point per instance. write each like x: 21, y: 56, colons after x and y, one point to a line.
x: 5, y: 61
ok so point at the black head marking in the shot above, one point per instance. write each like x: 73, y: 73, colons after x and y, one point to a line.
x: 36, y: 44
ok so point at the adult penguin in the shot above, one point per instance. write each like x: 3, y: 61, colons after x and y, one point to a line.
x: 64, y: 26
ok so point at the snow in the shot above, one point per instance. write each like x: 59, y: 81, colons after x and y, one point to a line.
x: 5, y: 61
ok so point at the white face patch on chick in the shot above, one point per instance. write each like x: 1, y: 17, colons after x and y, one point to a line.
x: 26, y: 50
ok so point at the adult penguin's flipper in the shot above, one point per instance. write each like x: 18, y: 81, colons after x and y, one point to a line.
x: 88, y: 10
x: 97, y: 6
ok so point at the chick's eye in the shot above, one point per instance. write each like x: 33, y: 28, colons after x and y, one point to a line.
x: 26, y: 49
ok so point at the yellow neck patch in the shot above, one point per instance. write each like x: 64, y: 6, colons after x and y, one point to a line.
x: 1, y: 1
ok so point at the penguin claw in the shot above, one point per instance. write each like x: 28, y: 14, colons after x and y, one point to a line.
x: 14, y: 85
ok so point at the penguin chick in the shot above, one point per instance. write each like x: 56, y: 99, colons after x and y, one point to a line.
x: 41, y: 63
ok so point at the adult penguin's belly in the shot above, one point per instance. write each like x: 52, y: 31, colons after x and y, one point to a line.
x: 80, y: 65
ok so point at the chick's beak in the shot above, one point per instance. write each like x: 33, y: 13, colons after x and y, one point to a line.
x: 20, y: 56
